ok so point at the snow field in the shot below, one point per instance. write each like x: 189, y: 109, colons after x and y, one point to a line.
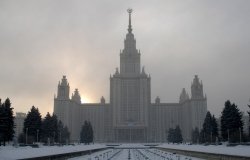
x: 133, y: 154
x: 155, y: 154
x: 12, y: 153
x: 220, y: 149
x: 123, y: 151
x: 101, y: 155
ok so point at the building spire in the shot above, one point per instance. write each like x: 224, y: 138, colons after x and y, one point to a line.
x: 129, y: 22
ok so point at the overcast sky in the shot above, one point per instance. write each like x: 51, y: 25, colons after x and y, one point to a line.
x: 40, y: 41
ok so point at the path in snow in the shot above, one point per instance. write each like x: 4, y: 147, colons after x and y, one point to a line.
x: 239, y: 150
x: 133, y: 154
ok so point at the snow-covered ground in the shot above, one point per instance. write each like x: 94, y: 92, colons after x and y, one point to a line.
x: 132, y: 145
x: 133, y: 154
x: 121, y: 152
x: 12, y: 153
x: 220, y: 149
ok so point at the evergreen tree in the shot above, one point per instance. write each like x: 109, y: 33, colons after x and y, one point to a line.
x: 86, y: 135
x: 60, y: 130
x: 32, y: 124
x: 3, y: 126
x: 178, y: 135
x: 6, y: 122
x: 195, y: 135
x: 249, y: 123
x: 214, y: 125
x: 63, y: 133
x: 174, y: 135
x: 46, y: 128
x: 49, y: 128
x: 91, y: 133
x: 231, y: 122
x: 54, y: 123
x: 170, y: 137
x: 207, y: 127
x: 10, y: 120
x: 210, y: 129
x: 202, y: 136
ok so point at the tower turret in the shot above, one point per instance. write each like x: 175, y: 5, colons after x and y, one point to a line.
x: 184, y: 96
x: 197, y: 88
x: 102, y: 100
x: 157, y: 100
x: 63, y: 89
x: 198, y: 104
x: 76, y: 97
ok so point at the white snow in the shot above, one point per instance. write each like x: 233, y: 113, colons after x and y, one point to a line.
x: 11, y: 153
x: 135, y: 154
x: 132, y: 145
x: 219, y: 149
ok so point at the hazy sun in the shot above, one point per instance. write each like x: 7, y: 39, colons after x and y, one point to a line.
x: 85, y: 100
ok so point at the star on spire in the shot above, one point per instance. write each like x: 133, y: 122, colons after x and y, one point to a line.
x: 129, y: 22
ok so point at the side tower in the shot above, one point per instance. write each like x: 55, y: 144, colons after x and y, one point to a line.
x: 186, y: 124
x: 198, y: 103
x: 183, y: 96
x: 130, y: 94
x: 62, y: 102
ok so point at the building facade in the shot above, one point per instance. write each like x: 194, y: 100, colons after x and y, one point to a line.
x: 131, y: 116
x: 19, y: 120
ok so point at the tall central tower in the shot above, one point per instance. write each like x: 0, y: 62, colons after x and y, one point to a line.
x: 130, y: 94
x: 130, y: 56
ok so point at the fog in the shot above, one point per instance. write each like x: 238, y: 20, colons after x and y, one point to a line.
x: 40, y: 41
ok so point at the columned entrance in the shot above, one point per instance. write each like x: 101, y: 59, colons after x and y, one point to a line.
x: 130, y: 135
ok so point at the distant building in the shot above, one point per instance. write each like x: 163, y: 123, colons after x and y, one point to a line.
x: 245, y: 120
x: 131, y: 116
x: 19, y: 119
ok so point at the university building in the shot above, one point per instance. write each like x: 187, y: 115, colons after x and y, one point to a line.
x: 131, y: 116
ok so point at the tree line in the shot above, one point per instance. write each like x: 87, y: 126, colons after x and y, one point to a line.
x: 35, y: 128
x: 49, y: 130
x: 231, y: 127
x: 6, y: 122
x: 174, y: 135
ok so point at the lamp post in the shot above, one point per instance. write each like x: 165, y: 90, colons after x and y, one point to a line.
x: 211, y: 137
x: 37, y: 133
x: 60, y: 137
x: 130, y: 134
x: 240, y: 134
x: 26, y: 137
x: 130, y: 124
x: 54, y: 137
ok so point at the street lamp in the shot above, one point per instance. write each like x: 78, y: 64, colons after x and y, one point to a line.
x: 60, y: 137
x: 54, y: 137
x: 37, y: 133
x: 211, y: 137
x: 240, y: 134
x: 130, y: 124
x: 26, y: 135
